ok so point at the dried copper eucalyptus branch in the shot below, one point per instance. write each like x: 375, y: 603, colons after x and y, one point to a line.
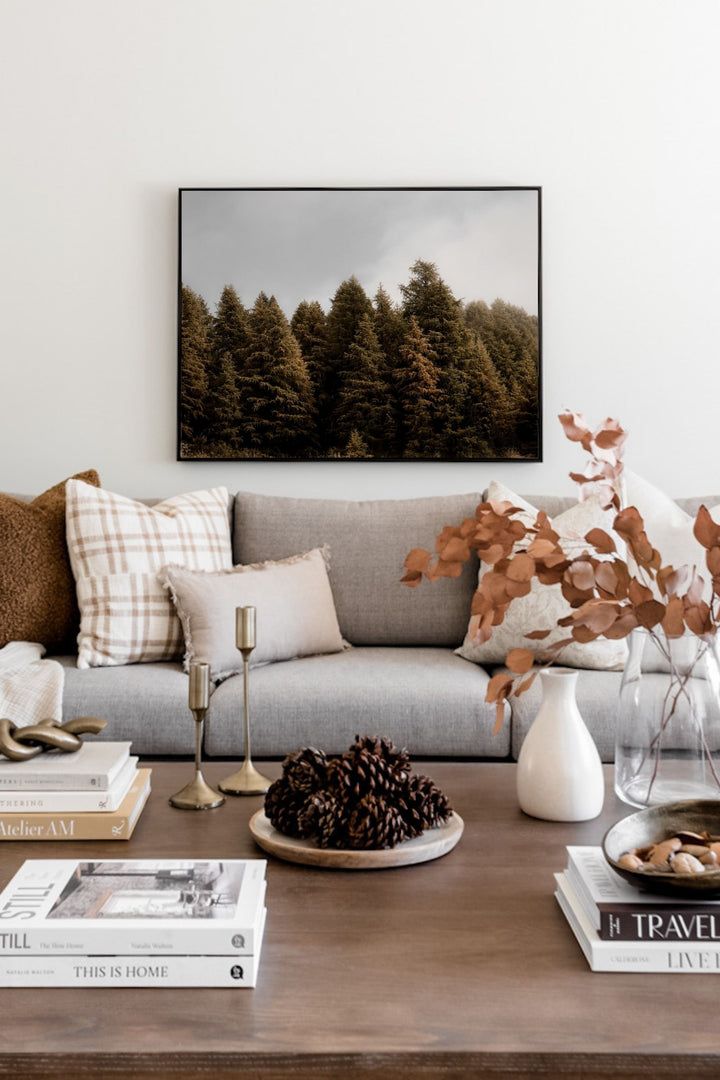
x: 609, y: 594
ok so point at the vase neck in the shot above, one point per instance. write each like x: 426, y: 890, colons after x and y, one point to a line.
x: 559, y: 685
x: 657, y: 652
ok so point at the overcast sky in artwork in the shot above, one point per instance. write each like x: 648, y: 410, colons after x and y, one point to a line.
x: 299, y: 245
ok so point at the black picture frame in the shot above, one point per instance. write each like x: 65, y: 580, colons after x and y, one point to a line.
x: 404, y: 460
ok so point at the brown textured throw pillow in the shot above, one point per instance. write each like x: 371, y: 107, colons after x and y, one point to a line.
x: 37, y: 587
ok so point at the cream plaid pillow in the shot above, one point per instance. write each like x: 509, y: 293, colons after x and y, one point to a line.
x: 117, y: 546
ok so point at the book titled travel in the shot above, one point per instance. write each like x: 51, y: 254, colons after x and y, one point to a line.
x: 117, y: 825
x: 130, y: 907
x: 73, y: 802
x: 93, y: 767
x: 635, y: 956
x: 621, y: 913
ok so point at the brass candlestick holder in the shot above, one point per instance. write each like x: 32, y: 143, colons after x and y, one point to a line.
x: 247, y: 780
x: 198, y: 795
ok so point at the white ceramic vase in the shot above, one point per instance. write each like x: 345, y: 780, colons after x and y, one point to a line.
x: 559, y: 773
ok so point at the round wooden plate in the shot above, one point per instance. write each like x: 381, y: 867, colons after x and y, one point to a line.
x: 431, y: 845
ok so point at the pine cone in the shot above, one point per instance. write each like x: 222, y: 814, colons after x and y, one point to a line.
x: 428, y: 806
x: 397, y: 760
x: 375, y: 823
x: 371, y: 766
x: 284, y: 807
x: 324, y: 818
x: 306, y: 771
x: 366, y: 799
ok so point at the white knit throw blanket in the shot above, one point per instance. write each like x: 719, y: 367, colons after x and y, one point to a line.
x: 31, y: 689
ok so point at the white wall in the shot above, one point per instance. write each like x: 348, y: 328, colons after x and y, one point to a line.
x: 108, y: 107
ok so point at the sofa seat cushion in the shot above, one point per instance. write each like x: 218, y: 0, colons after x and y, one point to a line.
x: 426, y: 699
x: 598, y: 697
x: 146, y: 703
x: 368, y: 543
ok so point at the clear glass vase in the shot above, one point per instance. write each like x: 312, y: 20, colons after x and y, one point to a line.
x: 668, y: 726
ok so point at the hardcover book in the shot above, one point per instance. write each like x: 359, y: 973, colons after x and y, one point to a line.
x: 117, y: 825
x: 94, y: 767
x: 232, y: 971
x: 71, y: 802
x: 133, y: 907
x: 635, y: 956
x: 621, y: 913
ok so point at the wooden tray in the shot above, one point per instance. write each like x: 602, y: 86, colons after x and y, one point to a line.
x: 431, y: 845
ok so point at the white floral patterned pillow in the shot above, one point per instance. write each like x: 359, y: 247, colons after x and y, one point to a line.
x: 545, y: 604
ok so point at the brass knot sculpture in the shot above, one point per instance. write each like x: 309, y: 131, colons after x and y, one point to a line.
x: 24, y: 743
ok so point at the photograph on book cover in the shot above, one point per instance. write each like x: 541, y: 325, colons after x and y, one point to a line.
x: 132, y: 890
x: 377, y: 324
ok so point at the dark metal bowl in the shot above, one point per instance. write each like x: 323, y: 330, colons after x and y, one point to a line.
x: 658, y: 823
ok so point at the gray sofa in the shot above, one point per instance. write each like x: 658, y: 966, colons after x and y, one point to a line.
x: 401, y: 678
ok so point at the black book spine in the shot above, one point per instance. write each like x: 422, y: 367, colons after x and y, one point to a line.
x: 666, y: 923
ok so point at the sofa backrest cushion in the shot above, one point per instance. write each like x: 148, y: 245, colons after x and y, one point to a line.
x: 368, y: 542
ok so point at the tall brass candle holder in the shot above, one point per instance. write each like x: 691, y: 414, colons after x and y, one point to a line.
x: 247, y: 780
x: 198, y: 795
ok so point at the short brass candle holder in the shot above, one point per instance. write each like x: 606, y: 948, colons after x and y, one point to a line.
x: 247, y: 780
x: 198, y: 795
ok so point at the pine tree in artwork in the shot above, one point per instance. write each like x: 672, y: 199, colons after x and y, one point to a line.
x: 364, y: 399
x: 390, y: 327
x: 487, y: 418
x: 195, y: 354
x: 223, y: 408
x: 510, y: 335
x: 350, y: 305
x: 309, y: 325
x: 230, y: 328
x: 438, y: 312
x: 417, y: 395
x: 356, y: 446
x: 274, y: 388
x: 439, y: 315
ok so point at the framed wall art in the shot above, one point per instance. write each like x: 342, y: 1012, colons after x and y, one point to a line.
x: 381, y: 324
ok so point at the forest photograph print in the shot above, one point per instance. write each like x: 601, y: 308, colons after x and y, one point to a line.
x: 379, y: 324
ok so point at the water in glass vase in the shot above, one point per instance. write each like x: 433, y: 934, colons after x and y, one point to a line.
x: 668, y: 725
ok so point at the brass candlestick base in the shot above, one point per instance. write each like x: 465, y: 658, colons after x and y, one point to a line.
x: 246, y: 781
x: 197, y: 795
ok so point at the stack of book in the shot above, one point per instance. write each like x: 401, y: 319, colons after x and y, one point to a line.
x: 620, y: 928
x: 97, y: 793
x: 165, y: 922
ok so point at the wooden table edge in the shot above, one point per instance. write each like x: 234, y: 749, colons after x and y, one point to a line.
x: 383, y: 1066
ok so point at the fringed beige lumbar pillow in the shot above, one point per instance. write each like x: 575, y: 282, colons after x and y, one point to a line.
x: 117, y: 546
x: 295, y: 611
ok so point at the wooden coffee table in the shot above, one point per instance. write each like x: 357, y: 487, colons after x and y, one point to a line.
x: 458, y: 968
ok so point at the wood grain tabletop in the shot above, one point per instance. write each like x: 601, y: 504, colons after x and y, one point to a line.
x: 456, y: 968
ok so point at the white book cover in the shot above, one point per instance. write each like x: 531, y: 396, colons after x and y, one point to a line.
x: 132, y: 906
x: 93, y: 767
x: 635, y: 956
x: 603, y: 886
x: 231, y: 971
x: 71, y: 802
